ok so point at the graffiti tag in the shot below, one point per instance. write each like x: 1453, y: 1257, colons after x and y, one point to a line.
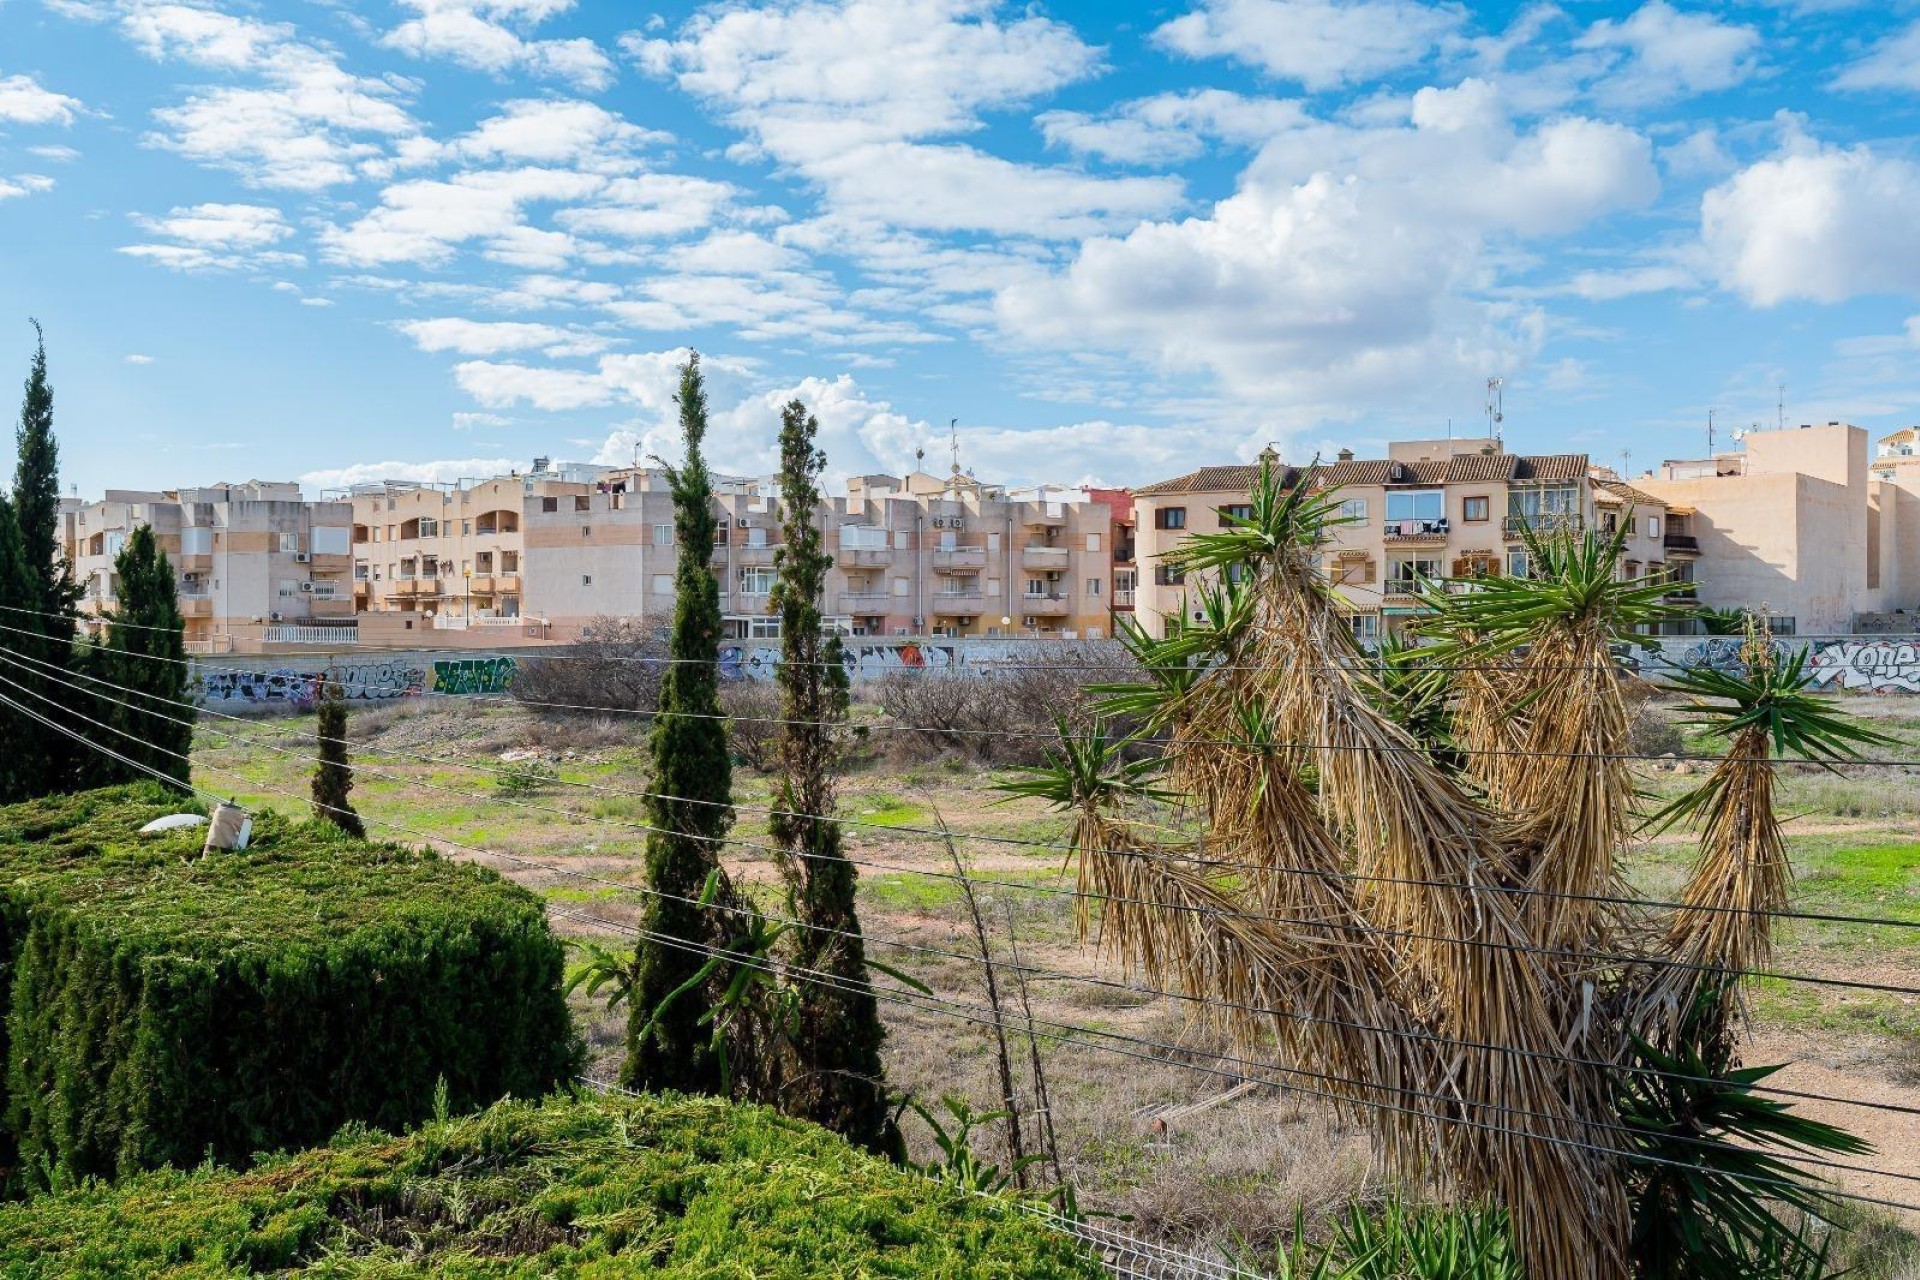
x: 473, y: 675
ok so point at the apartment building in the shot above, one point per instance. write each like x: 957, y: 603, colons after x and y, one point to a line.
x: 1801, y: 523
x: 914, y: 555
x: 250, y: 557
x: 1430, y: 509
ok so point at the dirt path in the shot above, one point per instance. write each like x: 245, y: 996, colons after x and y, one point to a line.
x: 1856, y: 1069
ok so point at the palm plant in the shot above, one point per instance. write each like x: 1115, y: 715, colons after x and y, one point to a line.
x: 1406, y: 869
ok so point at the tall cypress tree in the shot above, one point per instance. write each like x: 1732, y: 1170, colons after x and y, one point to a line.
x: 333, y: 775
x: 146, y: 653
x: 46, y: 605
x: 691, y: 808
x: 20, y: 771
x: 839, y: 1081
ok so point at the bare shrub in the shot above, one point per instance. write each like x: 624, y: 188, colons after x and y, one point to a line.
x: 753, y: 722
x: 995, y: 714
x: 616, y: 665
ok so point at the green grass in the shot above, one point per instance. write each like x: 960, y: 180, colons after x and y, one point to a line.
x: 605, y: 1188
x: 880, y: 809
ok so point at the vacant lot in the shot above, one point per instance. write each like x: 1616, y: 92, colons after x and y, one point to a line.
x: 1178, y: 1148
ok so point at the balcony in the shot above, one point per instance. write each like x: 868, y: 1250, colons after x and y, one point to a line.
x: 1048, y: 604
x: 863, y: 557
x: 1543, y: 523
x: 864, y: 603
x: 1123, y: 599
x: 1682, y: 542
x: 958, y: 602
x: 406, y: 586
x: 199, y: 562
x: 200, y: 606
x: 1044, y: 557
x: 761, y: 555
x: 960, y: 558
x: 1415, y: 533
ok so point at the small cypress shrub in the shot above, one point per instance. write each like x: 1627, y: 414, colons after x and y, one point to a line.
x: 660, y: 1187
x: 333, y: 775
x: 165, y: 1007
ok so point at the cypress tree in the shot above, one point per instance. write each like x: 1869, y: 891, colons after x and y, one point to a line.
x: 333, y: 775
x: 146, y: 652
x: 839, y: 1081
x: 19, y: 771
x: 45, y: 607
x: 691, y: 809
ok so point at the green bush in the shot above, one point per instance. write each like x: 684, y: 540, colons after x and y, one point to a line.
x: 654, y: 1186
x: 164, y: 1007
x: 525, y: 778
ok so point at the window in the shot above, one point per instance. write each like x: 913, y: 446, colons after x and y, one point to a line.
x: 1170, y: 518
x: 1609, y: 522
x: 663, y: 584
x: 1353, y: 511
x: 1366, y: 626
x: 586, y: 579
x: 1475, y: 509
x: 756, y: 580
x: 466, y: 528
x: 429, y: 528
x: 586, y: 531
x: 1416, y: 504
x: 1404, y: 575
x: 1036, y: 586
x: 902, y: 587
x: 549, y: 504
x: 482, y: 563
x: 1235, y: 511
x: 1546, y: 505
x: 763, y: 628
x: 1653, y: 526
x: 289, y: 542
x: 663, y: 535
x: 582, y: 502
x: 1517, y: 564
x: 1093, y: 587
x: 1093, y: 542
x: 1168, y: 576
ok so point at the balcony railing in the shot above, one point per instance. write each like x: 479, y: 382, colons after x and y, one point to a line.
x: 1044, y: 557
x: 1405, y: 531
x: 957, y: 601
x: 1681, y: 542
x: 1545, y: 522
x: 311, y: 635
x: 1043, y: 602
x: 960, y: 558
x: 864, y: 603
x: 1123, y: 599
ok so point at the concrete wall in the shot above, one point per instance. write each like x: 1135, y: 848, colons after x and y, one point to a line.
x: 1839, y: 663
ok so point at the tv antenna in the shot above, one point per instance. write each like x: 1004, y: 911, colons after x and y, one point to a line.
x: 953, y: 433
x: 1781, y: 406
x: 1709, y: 433
x: 1496, y: 412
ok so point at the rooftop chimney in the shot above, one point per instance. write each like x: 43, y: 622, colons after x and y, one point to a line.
x: 1345, y: 455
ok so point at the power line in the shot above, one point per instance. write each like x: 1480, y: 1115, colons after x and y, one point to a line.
x: 51, y: 671
x: 1040, y: 974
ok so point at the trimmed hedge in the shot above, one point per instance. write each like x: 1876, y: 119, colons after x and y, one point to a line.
x: 600, y: 1187
x: 164, y: 1008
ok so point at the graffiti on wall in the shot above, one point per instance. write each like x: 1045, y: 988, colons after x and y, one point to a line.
x: 472, y: 675
x: 371, y: 681
x: 1719, y: 653
x: 1868, y: 666
x: 862, y: 661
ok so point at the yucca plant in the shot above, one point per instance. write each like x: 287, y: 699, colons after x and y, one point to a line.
x: 1424, y: 939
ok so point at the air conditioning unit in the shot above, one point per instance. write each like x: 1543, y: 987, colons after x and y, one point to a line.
x: 306, y: 586
x: 273, y: 617
x: 302, y: 557
x: 919, y: 621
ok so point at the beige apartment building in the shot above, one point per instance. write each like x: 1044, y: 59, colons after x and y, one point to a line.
x: 918, y: 555
x: 1802, y: 523
x: 1430, y: 509
x: 254, y: 560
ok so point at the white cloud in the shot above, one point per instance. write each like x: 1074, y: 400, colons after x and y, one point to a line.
x: 490, y: 338
x: 58, y: 154
x: 1321, y: 44
x: 138, y: 359
x: 1668, y: 55
x: 24, y: 184
x: 23, y: 100
x: 1627, y: 282
x: 1170, y: 126
x: 469, y: 421
x: 1814, y: 222
x: 500, y: 385
x: 421, y: 221
x: 215, y: 237
x: 480, y: 34
x: 650, y: 207
x: 556, y: 131
x: 1893, y: 63
x: 306, y: 124
x: 445, y: 471
x: 902, y: 71
x: 1353, y: 264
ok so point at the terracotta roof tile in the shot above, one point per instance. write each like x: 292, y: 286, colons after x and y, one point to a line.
x: 1468, y: 468
x: 1552, y: 466
x: 1624, y: 493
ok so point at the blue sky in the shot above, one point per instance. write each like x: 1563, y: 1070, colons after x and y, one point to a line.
x: 432, y: 237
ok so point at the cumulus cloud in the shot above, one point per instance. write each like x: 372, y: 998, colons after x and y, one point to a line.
x: 556, y: 131
x: 482, y: 35
x: 1893, y: 63
x: 137, y: 359
x: 24, y: 184
x: 422, y: 221
x: 489, y: 338
x: 1814, y: 222
x: 904, y: 72
x: 1170, y: 126
x: 303, y: 122
x: 215, y: 237
x: 443, y: 471
x: 23, y: 100
x: 1666, y: 55
x: 1354, y: 261
x: 1319, y: 44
